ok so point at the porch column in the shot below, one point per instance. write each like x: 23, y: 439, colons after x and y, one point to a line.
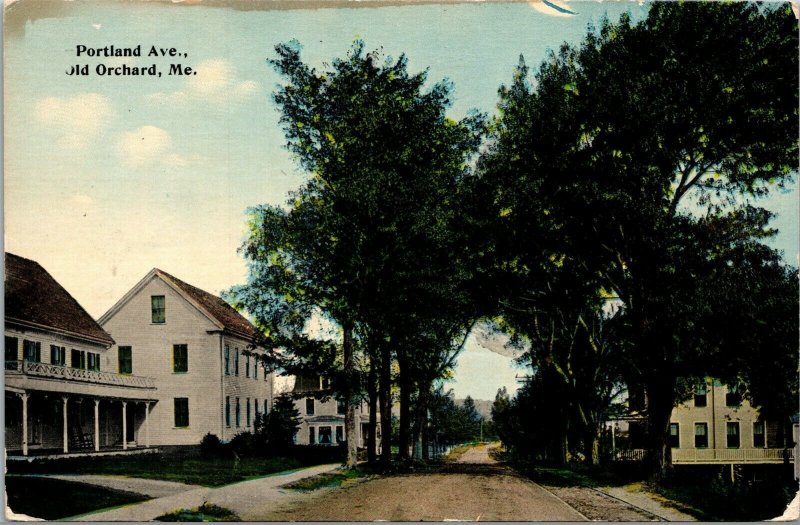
x: 147, y: 424
x: 97, y: 425
x: 124, y: 426
x: 24, y: 397
x: 66, y: 433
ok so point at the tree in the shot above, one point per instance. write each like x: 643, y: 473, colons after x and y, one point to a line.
x: 278, y: 427
x: 644, y: 148
x: 364, y: 242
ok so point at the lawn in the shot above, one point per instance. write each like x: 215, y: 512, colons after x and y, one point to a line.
x: 53, y: 499
x: 327, y: 479
x: 194, y: 471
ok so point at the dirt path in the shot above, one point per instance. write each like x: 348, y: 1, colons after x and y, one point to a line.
x: 474, y: 487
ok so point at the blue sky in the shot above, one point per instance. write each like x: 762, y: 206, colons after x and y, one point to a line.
x: 108, y: 177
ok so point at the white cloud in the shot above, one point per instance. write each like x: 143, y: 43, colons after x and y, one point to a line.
x: 215, y: 81
x: 77, y: 120
x: 145, y: 145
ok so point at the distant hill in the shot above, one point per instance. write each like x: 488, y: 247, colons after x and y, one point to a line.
x: 483, y: 407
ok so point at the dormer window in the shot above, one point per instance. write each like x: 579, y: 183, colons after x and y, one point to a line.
x: 157, y: 308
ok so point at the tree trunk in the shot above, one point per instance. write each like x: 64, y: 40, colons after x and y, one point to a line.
x: 350, y: 408
x: 420, y: 438
x: 372, y: 393
x: 385, y: 396
x: 405, y: 410
x: 591, y: 446
x: 660, y: 400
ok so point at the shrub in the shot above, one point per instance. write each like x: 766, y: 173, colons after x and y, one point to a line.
x: 243, y: 444
x: 210, y: 446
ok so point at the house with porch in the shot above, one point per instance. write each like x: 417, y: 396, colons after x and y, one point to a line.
x: 200, y: 354
x: 63, y: 393
x: 322, y: 415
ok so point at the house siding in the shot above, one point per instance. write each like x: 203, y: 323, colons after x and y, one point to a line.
x: 204, y: 384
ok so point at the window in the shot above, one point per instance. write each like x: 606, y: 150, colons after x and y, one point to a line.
x: 236, y: 362
x: 325, y: 435
x: 340, y: 407
x: 247, y: 365
x: 732, y: 434
x: 227, y: 411
x: 125, y: 355
x: 674, y: 435
x: 758, y: 434
x: 93, y: 361
x: 238, y: 413
x: 12, y: 343
x: 733, y: 398
x: 58, y: 355
x: 181, y: 412
x: 311, y: 437
x: 310, y: 406
x: 700, y: 395
x: 12, y: 356
x: 266, y: 410
x: 324, y: 383
x: 266, y: 374
x: 247, y: 421
x: 157, y: 309
x: 339, y: 434
x: 32, y: 350
x: 78, y: 359
x: 701, y: 435
x: 255, y: 408
x: 180, y: 358
x: 227, y: 360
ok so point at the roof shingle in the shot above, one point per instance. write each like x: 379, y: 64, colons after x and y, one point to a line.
x: 32, y: 295
x: 224, y: 313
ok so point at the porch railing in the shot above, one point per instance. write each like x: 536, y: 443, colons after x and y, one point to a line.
x: 730, y: 455
x: 78, y: 374
x: 711, y: 455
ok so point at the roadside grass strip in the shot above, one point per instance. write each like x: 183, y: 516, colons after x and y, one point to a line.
x: 325, y: 480
x: 205, y: 512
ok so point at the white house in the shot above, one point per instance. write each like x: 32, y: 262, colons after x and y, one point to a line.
x: 199, y: 352
x: 322, y: 415
x: 63, y: 392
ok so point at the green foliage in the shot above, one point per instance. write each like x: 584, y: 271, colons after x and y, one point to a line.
x: 210, y: 446
x: 278, y: 427
x: 452, y: 424
x: 205, y: 512
x: 633, y: 166
x: 328, y: 479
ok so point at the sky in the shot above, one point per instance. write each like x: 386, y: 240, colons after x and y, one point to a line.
x: 106, y: 177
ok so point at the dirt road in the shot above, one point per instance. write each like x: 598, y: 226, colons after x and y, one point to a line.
x: 474, y: 487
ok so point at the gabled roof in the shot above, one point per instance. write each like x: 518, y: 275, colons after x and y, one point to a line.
x: 35, y: 299
x: 220, y: 313
x: 216, y: 307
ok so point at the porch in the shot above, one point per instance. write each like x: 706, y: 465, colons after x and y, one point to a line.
x: 714, y: 456
x: 57, y: 409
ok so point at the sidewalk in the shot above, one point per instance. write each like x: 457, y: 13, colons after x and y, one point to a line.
x: 644, y: 501
x: 238, y: 497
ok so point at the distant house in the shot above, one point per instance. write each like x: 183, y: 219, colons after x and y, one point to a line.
x: 322, y: 414
x: 63, y: 392
x: 198, y: 350
x: 718, y: 426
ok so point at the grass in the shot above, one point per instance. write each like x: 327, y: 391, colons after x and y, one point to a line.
x: 327, y: 479
x: 53, y: 499
x: 205, y: 512
x: 193, y: 471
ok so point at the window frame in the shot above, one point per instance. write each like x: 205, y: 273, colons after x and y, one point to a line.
x: 177, y: 359
x: 81, y: 354
x: 93, y: 361
x: 339, y: 435
x: 676, y: 442
x: 125, y: 359
x: 310, y: 403
x: 236, y: 362
x: 9, y: 346
x: 733, y: 397
x: 703, y: 396
x: 329, y: 432
x: 704, y: 424
x: 58, y: 355
x: 312, y: 438
x: 738, y: 434
x: 247, y: 413
x: 36, y: 349
x: 158, y: 313
x: 181, y: 412
x: 763, y: 434
x: 227, y: 359
x: 228, y: 411
x: 238, y: 413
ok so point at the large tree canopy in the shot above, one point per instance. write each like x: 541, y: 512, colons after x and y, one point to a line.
x: 636, y: 158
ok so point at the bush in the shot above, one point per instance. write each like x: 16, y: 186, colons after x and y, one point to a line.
x: 243, y: 445
x: 210, y: 446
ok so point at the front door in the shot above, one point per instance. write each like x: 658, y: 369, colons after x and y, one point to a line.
x: 130, y: 419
